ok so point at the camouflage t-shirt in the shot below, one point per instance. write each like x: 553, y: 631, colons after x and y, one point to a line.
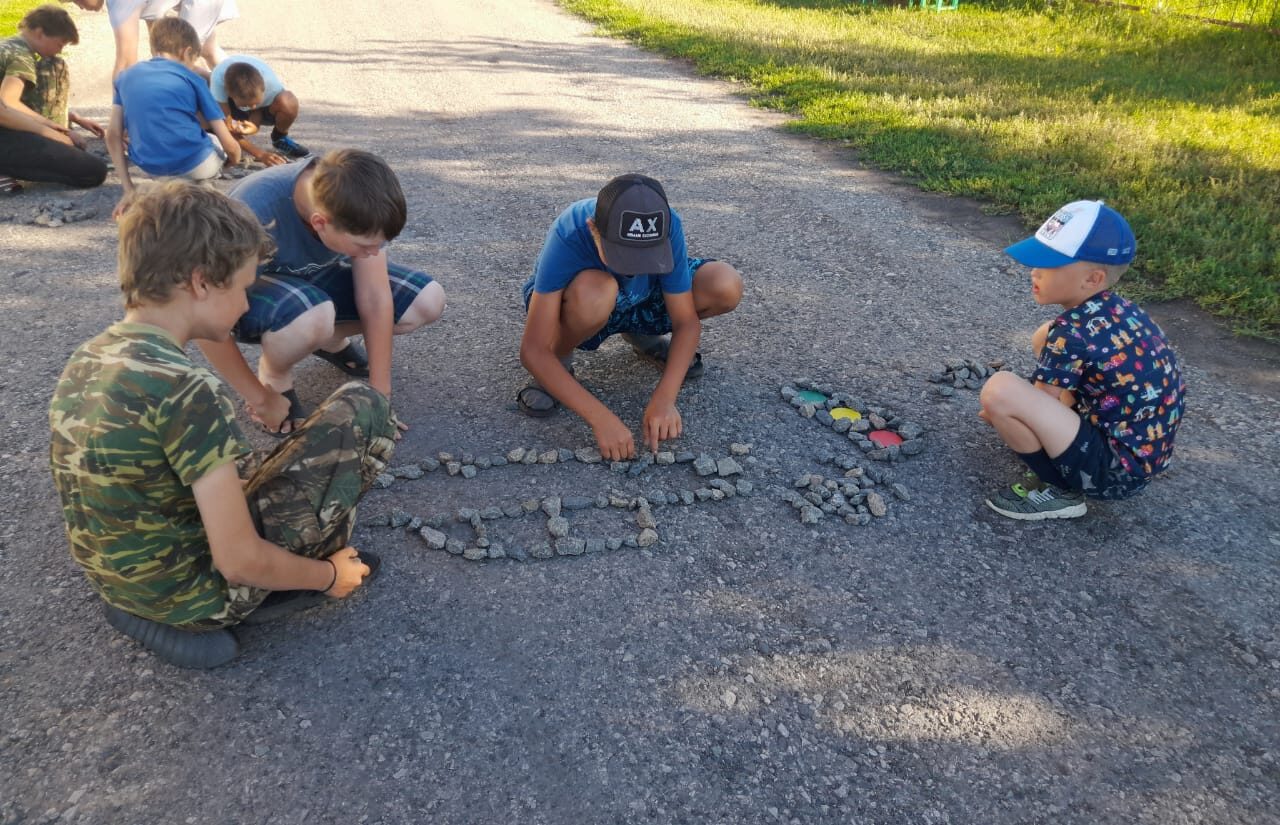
x: 134, y: 424
x: 46, y: 81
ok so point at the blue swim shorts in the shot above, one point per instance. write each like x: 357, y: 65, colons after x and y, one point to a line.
x: 647, y: 317
x: 1090, y: 465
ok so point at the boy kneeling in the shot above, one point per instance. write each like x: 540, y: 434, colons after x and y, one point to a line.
x: 616, y: 263
x: 1099, y: 417
x: 145, y: 443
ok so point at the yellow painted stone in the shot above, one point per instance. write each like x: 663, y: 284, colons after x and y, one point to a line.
x: 845, y: 412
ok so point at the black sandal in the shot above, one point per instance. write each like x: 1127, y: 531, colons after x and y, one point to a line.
x: 657, y: 350
x: 297, y: 414
x: 536, y: 402
x: 351, y: 359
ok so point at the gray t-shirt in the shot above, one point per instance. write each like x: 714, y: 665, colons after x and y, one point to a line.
x: 269, y: 194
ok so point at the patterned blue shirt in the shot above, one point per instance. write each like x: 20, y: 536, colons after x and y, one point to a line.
x: 1125, y: 376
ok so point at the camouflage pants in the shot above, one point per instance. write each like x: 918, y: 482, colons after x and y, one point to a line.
x: 303, y: 497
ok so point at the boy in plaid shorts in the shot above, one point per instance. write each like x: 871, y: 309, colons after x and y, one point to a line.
x: 616, y: 263
x: 331, y: 219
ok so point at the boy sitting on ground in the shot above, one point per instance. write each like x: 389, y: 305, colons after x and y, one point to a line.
x: 36, y: 139
x: 331, y: 219
x: 144, y: 448
x: 1099, y: 415
x: 616, y: 263
x: 165, y: 111
x: 250, y: 95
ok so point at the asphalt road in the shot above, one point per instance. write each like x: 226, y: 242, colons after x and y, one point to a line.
x: 941, y: 665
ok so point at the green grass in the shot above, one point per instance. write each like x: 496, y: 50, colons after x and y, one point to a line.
x: 11, y: 12
x: 1175, y: 123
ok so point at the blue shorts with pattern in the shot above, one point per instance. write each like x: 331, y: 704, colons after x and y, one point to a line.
x: 276, y: 299
x: 1090, y: 465
x: 646, y: 317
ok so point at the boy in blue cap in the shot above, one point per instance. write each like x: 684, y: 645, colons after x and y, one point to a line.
x: 1099, y: 415
x: 616, y: 263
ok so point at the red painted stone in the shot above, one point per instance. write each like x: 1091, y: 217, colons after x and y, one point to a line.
x: 884, y: 438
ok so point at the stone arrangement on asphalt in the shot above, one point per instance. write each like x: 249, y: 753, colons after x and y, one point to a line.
x: 722, y: 475
x: 964, y: 374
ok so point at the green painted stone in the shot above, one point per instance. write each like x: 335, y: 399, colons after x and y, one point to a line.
x: 812, y: 397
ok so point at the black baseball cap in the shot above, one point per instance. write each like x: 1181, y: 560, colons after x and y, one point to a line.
x: 634, y: 221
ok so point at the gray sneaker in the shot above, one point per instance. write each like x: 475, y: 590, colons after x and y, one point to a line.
x: 1039, y: 503
x: 1019, y: 489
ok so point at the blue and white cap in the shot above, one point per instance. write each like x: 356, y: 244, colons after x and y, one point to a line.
x: 1080, y: 231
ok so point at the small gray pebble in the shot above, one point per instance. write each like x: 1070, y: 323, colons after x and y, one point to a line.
x: 429, y: 465
x: 595, y: 545
x: 684, y: 457
x: 665, y: 457
x: 399, y: 518
x: 587, y: 455
x: 876, y: 505
x: 647, y: 538
x: 564, y: 454
x: 497, y: 461
x: 810, y: 515
x: 913, y: 447
x: 408, y: 471
x: 475, y: 553
x: 704, y: 465
x: 542, y: 550
x: 841, y: 425
x: 576, y: 502
x: 602, y: 501
x: 445, y: 457
x: 630, y: 541
x: 530, y: 504
x: 438, y: 520
x: 549, y: 457
x: 807, y: 410
x: 530, y: 457
x: 454, y: 547
x: 434, y: 538
x: 453, y: 468
x: 483, y: 463
x: 466, y: 514
x: 468, y: 471
x: 551, y: 506
x: 644, y: 518
x: 901, y: 492
x: 491, y: 513
x: 558, y: 526
x: 613, y: 543
x: 497, y: 551
x: 516, y: 455
x: 619, y: 467
x: 517, y: 553
x: 745, y: 487
x: 686, y: 497
x: 512, y: 510
x: 702, y: 493
x: 468, y: 458
x: 414, y: 524
x: 728, y: 467
x: 384, y: 480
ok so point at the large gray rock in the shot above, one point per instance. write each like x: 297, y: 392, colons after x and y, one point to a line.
x: 434, y: 538
x: 558, y: 526
x: 647, y: 538
x: 551, y: 506
x: 704, y: 465
x: 587, y: 455
x: 728, y: 467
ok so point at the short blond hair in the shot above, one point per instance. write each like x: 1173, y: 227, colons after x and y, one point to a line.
x: 178, y: 227
x: 1114, y: 271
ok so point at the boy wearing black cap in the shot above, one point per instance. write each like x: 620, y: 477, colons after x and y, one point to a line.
x: 616, y: 263
x: 1100, y: 413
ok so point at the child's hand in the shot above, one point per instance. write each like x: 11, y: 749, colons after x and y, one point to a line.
x: 122, y: 206
x: 614, y: 439
x: 351, y: 572
x: 662, y: 422
x: 270, y: 159
x: 272, y: 412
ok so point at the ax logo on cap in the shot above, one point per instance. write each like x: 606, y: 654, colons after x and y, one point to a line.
x: 640, y: 227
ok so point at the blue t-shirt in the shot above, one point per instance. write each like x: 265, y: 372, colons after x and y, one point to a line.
x: 218, y: 80
x: 569, y: 249
x: 269, y: 195
x: 1125, y: 376
x: 161, y: 99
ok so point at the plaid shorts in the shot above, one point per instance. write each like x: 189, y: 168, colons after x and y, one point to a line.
x: 276, y: 300
x: 646, y: 317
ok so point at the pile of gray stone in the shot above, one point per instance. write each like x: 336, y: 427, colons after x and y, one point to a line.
x: 57, y: 213
x: 858, y: 432
x: 722, y: 476
x: 964, y: 374
x: 852, y: 496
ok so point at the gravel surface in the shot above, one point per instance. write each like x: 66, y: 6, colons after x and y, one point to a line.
x: 937, y: 665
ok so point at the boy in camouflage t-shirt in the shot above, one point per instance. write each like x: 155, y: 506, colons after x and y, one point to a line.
x: 144, y: 448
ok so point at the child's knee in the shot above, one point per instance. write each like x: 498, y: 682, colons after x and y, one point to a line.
x: 286, y: 103
x: 310, y: 329
x: 717, y: 289
x: 425, y: 309
x: 1001, y: 391
x: 590, y: 296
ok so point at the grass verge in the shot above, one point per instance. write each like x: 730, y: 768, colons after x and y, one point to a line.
x: 1173, y: 122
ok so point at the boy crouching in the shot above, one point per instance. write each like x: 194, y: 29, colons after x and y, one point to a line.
x: 145, y: 445
x: 1099, y: 415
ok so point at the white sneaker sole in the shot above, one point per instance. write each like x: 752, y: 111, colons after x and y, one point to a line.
x: 1074, y: 511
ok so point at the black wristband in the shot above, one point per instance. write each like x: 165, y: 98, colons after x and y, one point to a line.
x: 334, y: 580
